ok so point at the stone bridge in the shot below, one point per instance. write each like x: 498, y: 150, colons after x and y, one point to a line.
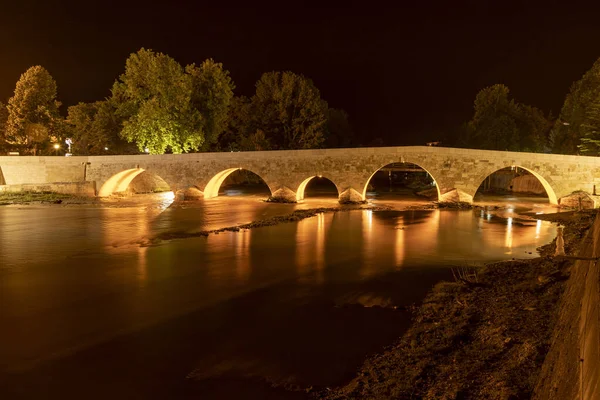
x: 457, y: 172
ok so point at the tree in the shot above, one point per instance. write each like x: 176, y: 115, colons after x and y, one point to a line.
x: 94, y: 128
x: 500, y: 123
x: 33, y: 117
x: 289, y: 110
x: 153, y: 97
x: 212, y: 94
x: 534, y: 128
x: 569, y: 127
x: 3, y: 121
x: 339, y: 130
x: 590, y: 130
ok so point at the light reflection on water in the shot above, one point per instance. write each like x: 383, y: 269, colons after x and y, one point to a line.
x: 80, y: 277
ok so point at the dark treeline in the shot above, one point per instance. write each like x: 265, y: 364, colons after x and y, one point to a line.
x: 500, y: 123
x: 158, y: 106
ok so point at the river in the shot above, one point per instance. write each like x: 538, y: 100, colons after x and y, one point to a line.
x: 88, y: 310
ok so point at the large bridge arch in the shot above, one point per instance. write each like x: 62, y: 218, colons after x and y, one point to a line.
x: 402, y: 160
x: 300, y: 192
x: 211, y: 189
x: 120, y: 181
x: 550, y: 191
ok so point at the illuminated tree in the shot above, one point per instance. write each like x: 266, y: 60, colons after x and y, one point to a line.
x: 289, y: 110
x: 212, y: 94
x: 3, y: 120
x: 33, y: 119
x: 573, y: 118
x: 154, y: 99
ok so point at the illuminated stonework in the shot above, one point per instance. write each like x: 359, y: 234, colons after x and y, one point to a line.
x: 457, y: 173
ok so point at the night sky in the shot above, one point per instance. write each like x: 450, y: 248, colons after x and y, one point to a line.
x: 407, y: 73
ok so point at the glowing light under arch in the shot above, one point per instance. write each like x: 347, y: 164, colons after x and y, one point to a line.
x: 549, y: 191
x: 212, y: 187
x: 364, y: 192
x: 302, y: 187
x: 119, y: 182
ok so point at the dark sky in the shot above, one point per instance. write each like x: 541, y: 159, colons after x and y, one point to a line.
x: 406, y: 73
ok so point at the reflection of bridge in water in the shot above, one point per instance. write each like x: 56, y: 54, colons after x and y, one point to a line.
x: 457, y: 173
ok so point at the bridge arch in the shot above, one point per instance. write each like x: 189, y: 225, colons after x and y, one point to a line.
x: 435, y: 181
x: 214, y: 184
x: 302, y: 187
x: 120, y: 181
x: 550, y: 192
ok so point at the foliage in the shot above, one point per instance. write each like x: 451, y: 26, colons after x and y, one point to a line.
x: 238, y: 121
x: 3, y: 121
x: 95, y: 128
x: 153, y: 97
x: 339, y: 130
x: 500, y: 123
x: 288, y: 108
x: 212, y: 94
x: 590, y: 130
x: 573, y: 118
x: 33, y: 118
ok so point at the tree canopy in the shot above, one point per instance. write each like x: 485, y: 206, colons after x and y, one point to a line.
x: 33, y: 117
x: 577, y: 113
x: 212, y: 94
x: 3, y: 120
x: 158, y: 106
x: 289, y: 110
x: 339, y: 130
x: 153, y: 98
x: 94, y: 128
x: 590, y: 129
x: 500, y: 123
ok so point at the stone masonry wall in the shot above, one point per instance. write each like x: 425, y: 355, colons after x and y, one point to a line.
x: 457, y: 172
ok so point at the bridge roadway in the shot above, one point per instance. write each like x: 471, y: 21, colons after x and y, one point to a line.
x: 457, y: 172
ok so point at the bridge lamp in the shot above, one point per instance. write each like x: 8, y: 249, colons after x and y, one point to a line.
x: 56, y: 146
x: 146, y: 150
x: 106, y: 148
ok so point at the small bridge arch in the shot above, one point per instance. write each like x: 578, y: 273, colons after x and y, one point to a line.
x: 211, y: 189
x: 300, y: 192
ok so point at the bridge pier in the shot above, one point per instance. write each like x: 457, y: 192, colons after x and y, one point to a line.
x: 283, y: 195
x: 350, y: 195
x: 454, y: 195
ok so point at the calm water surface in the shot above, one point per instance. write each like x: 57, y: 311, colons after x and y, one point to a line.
x: 87, y: 312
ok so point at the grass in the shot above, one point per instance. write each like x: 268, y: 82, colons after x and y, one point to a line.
x: 7, y: 198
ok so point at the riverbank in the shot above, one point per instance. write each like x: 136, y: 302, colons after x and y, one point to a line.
x: 25, y: 198
x: 483, y: 336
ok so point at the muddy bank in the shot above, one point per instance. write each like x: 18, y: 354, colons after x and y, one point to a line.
x: 483, y: 336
